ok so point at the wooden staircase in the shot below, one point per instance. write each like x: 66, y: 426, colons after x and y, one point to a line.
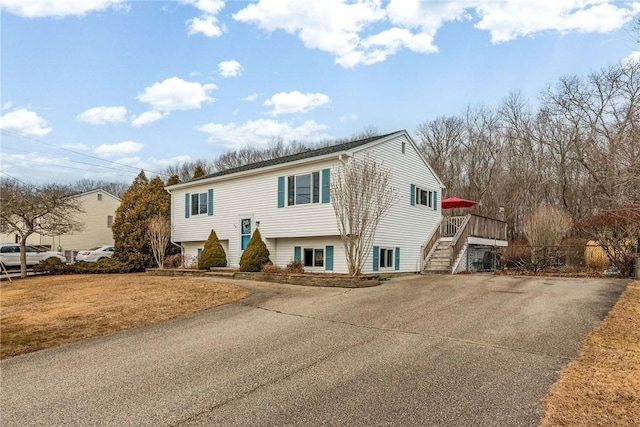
x: 439, y: 261
x: 448, y: 240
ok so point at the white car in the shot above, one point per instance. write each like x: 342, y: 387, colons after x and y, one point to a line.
x: 95, y: 254
x: 10, y: 255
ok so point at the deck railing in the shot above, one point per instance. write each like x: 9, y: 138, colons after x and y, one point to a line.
x: 472, y: 226
x: 481, y: 226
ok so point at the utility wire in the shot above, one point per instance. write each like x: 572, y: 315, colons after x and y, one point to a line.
x: 8, y: 132
x: 74, y: 161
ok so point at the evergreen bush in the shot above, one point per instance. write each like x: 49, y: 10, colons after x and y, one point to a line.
x: 212, y: 254
x: 51, y: 266
x: 255, y: 254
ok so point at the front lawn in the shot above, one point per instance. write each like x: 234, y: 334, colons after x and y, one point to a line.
x: 601, y: 387
x: 46, y: 311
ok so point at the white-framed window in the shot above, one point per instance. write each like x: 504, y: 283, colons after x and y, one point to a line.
x: 424, y: 197
x: 109, y: 221
x: 312, y: 257
x: 199, y: 203
x: 386, y: 257
x: 303, y: 189
x: 99, y: 197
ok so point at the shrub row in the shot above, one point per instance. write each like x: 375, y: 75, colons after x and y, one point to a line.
x: 104, y: 266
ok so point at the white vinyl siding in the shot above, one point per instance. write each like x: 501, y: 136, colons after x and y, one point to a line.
x: 264, y: 194
x: 404, y: 226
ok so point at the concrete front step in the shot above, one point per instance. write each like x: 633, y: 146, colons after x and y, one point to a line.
x: 220, y: 274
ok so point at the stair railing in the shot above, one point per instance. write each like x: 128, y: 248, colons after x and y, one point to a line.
x: 459, y: 240
x: 431, y: 242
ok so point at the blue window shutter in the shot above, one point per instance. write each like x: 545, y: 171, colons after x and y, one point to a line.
x: 281, y: 191
x: 199, y: 252
x: 376, y: 258
x: 435, y: 200
x: 326, y: 177
x: 297, y: 253
x: 413, y: 195
x: 187, y: 203
x: 210, y: 202
x: 397, y: 263
x: 328, y: 258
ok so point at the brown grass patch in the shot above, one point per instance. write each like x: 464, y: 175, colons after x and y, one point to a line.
x: 601, y: 387
x: 46, y: 311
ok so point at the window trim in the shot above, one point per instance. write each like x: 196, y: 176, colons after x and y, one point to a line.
x: 386, y: 259
x: 418, y: 194
x: 199, y: 203
x: 314, y: 261
x: 315, y: 193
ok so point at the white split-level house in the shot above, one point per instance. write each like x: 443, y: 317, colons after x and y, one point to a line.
x: 99, y: 209
x: 288, y: 200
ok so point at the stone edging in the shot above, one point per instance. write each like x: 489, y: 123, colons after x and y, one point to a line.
x: 321, y: 280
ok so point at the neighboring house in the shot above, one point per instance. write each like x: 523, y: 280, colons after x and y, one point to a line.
x: 99, y: 209
x: 288, y: 200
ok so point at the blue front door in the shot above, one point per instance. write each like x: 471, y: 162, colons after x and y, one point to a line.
x: 245, y: 232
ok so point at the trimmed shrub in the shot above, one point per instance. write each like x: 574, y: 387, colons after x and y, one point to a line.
x: 212, y: 254
x: 52, y: 266
x: 255, y: 254
x: 104, y: 266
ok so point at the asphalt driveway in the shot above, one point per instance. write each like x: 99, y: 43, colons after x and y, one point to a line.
x: 466, y: 350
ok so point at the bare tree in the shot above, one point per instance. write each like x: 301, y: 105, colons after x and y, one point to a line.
x: 47, y: 210
x: 115, y: 188
x: 185, y: 171
x: 616, y: 232
x: 547, y: 225
x: 159, y: 234
x: 361, y: 195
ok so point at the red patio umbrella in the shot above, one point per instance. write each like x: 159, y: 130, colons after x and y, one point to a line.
x: 456, y: 202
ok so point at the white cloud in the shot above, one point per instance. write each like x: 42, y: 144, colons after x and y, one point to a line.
x: 368, y: 31
x: 329, y: 25
x: 230, y: 68
x: 58, y: 8
x: 261, y: 132
x: 78, y: 146
x: 25, y: 123
x: 348, y: 117
x: 102, y: 115
x: 295, y: 102
x: 148, y: 117
x: 7, y: 105
x: 207, y: 23
x: 633, y: 57
x: 509, y: 20
x: 126, y: 147
x: 176, y: 94
x: 250, y: 98
x: 209, y: 7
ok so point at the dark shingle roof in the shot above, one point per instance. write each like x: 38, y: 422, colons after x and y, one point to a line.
x: 298, y: 156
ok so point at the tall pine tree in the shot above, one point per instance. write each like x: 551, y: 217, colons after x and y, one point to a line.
x: 142, y: 200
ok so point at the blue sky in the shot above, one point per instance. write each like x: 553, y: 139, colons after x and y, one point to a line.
x: 100, y: 89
